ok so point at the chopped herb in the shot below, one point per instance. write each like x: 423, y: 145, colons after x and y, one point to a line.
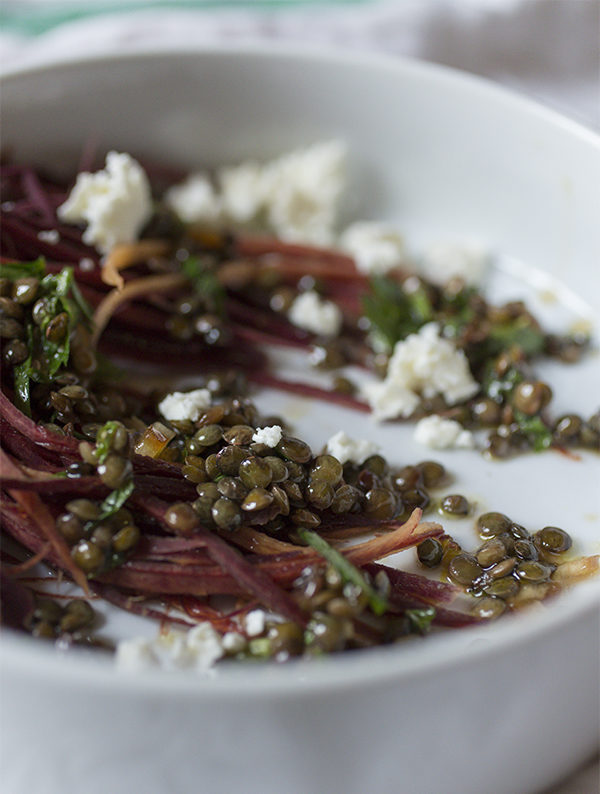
x: 535, y: 430
x: 348, y: 571
x: 204, y: 279
x: 104, y: 439
x: 15, y: 270
x: 395, y: 313
x: 499, y: 387
x: 260, y: 647
x: 115, y: 500
x: 420, y: 619
x: 48, y: 340
x: 522, y: 332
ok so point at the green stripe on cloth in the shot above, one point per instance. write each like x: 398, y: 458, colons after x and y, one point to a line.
x: 34, y: 18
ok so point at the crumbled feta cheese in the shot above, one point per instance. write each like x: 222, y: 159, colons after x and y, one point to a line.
x: 375, y: 247
x: 194, y: 200
x: 49, y: 236
x: 303, y: 190
x: 114, y: 203
x: 270, y: 436
x: 423, y: 364
x: 197, y: 650
x: 295, y: 195
x: 179, y: 406
x: 445, y: 260
x: 233, y: 642
x: 243, y: 191
x: 204, y: 645
x: 135, y: 654
x: 347, y: 449
x: 86, y: 264
x: 439, y: 433
x: 315, y: 314
x: 255, y: 623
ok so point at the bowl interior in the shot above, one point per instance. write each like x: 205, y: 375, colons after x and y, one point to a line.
x: 440, y: 154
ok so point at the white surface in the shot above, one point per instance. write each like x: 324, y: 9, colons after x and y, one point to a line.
x: 422, y: 713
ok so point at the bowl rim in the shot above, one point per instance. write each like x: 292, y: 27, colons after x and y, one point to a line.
x: 326, y: 55
x: 368, y: 668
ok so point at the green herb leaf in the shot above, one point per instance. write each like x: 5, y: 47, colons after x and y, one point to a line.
x: 499, y: 387
x: 104, y: 439
x: 420, y: 619
x: 395, y: 313
x: 204, y: 279
x: 115, y: 500
x: 522, y: 333
x: 47, y: 354
x: 348, y: 571
x: 537, y: 432
x: 22, y: 377
x: 15, y: 270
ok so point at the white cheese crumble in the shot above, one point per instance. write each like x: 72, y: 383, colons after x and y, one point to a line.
x: 50, y: 236
x: 179, y: 406
x: 347, y: 449
x: 270, y: 436
x: 448, y: 259
x: 115, y: 203
x: 86, y: 264
x: 255, y: 623
x: 233, y: 642
x: 196, y: 650
x: 244, y: 191
x: 303, y: 190
x: 315, y: 314
x: 375, y: 247
x: 194, y: 200
x: 423, y: 364
x: 296, y: 195
x: 439, y: 433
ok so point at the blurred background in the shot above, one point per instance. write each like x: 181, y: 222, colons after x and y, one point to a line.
x: 545, y: 49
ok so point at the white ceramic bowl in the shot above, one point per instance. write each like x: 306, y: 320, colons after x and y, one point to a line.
x: 507, y: 709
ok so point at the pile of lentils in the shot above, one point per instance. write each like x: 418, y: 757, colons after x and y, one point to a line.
x: 512, y: 568
x: 238, y: 482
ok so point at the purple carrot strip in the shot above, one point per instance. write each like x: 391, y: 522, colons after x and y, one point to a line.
x: 252, y: 579
x: 136, y: 607
x: 412, y: 584
x: 34, y: 432
x: 450, y: 618
x: 68, y: 252
x: 263, y: 378
x: 36, y: 194
x: 16, y: 601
